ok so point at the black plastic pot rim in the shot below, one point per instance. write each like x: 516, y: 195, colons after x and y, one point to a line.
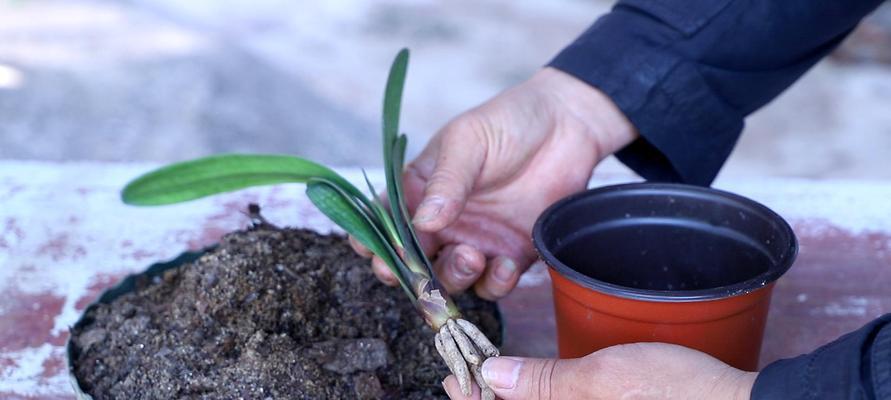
x: 127, y: 285
x: 666, y: 296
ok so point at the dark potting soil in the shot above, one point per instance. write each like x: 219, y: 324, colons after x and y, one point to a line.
x: 269, y: 314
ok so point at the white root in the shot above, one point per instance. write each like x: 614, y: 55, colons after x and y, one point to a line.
x: 467, y: 349
x: 459, y: 366
x: 464, y: 347
x: 486, y: 392
x: 437, y: 341
x: 479, y: 338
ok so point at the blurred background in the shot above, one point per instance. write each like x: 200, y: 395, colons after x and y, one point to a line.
x: 164, y: 80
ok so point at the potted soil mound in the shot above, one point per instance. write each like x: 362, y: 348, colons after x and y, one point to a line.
x: 268, y: 313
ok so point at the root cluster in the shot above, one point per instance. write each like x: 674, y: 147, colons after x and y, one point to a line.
x: 464, y: 347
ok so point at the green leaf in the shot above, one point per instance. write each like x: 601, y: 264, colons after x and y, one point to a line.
x: 223, y: 173
x: 394, y: 154
x: 407, y: 229
x: 349, y: 215
x: 393, y: 100
x: 392, y: 104
x: 377, y: 206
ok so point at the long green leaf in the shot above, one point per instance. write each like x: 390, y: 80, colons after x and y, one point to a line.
x: 407, y: 230
x: 223, y: 173
x: 394, y: 148
x: 392, y: 104
x: 393, y: 101
x: 347, y: 213
x: 378, y: 208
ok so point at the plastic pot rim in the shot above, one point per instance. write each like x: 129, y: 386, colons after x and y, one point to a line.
x: 126, y: 285
x: 670, y: 296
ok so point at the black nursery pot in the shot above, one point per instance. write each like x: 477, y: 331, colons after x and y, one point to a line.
x: 127, y: 285
x: 655, y: 262
x: 153, y: 274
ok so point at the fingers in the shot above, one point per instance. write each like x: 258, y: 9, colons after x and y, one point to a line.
x: 359, y: 248
x: 382, y: 272
x: 500, y: 278
x: 535, y: 379
x: 450, y: 384
x: 378, y: 266
x: 637, y: 370
x: 459, y: 160
x: 459, y: 266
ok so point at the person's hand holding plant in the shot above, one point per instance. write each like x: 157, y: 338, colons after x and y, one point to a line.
x: 476, y: 191
x: 477, y: 188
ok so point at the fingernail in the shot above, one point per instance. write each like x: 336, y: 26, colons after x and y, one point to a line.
x: 428, y: 210
x: 446, y: 388
x: 504, y: 271
x: 461, y: 270
x: 502, y: 372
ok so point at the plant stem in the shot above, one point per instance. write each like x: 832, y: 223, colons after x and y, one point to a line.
x: 435, y: 304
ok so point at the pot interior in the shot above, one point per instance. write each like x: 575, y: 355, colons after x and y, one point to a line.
x: 665, y: 240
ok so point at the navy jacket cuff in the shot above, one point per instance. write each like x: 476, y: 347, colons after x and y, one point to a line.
x: 855, y: 366
x: 687, y: 131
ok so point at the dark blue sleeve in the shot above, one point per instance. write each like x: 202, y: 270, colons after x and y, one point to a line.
x: 687, y: 72
x: 856, y: 366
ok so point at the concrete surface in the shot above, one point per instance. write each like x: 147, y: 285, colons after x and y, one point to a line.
x: 168, y: 80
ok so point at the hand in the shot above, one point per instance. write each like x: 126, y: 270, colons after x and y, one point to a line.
x: 482, y: 180
x: 631, y: 371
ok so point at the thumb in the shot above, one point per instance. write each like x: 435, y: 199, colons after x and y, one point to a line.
x: 458, y: 163
x: 535, y: 378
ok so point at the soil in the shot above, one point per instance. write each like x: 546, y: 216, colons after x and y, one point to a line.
x: 269, y: 314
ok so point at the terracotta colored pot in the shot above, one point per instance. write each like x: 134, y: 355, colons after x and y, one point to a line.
x: 655, y: 262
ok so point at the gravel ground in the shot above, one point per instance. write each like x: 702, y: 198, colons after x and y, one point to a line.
x: 168, y: 80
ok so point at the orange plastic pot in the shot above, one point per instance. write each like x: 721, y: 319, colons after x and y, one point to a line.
x: 655, y: 262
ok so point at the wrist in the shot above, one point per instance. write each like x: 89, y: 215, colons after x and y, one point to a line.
x: 608, y: 126
x: 745, y: 383
x: 733, y: 384
x: 725, y: 382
